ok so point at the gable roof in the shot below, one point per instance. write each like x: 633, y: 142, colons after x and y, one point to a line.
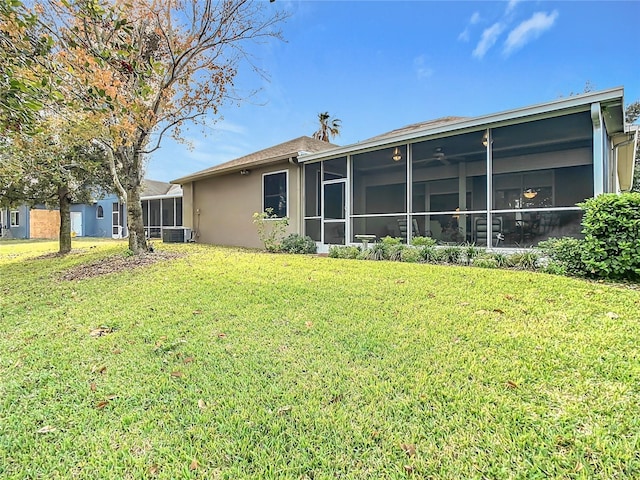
x: 154, y: 188
x: 282, y: 151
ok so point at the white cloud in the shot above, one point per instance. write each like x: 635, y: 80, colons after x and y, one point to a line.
x: 511, y: 5
x: 488, y: 39
x: 529, y: 30
x: 421, y: 68
x: 465, y: 34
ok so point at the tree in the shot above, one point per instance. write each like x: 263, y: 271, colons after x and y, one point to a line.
x: 329, y: 127
x: 21, y: 90
x: 632, y: 113
x: 146, y: 69
x: 55, y: 166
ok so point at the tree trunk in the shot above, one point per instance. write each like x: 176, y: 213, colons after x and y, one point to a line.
x: 65, y: 220
x: 135, y: 224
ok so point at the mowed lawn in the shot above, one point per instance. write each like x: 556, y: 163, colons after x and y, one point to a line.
x: 227, y: 363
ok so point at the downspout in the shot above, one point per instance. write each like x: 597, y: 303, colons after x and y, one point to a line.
x: 615, y: 156
x: 294, y: 161
x: 598, y: 153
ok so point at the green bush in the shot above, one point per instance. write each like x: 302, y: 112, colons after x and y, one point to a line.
x: 430, y: 254
x: 271, y: 229
x: 525, y: 260
x: 394, y: 252
x: 349, y: 252
x: 485, y: 262
x: 296, y: 243
x: 565, y: 256
x: 410, y: 255
x: 502, y: 259
x: 471, y: 251
x: 611, y: 246
x: 452, y: 254
x: 423, y: 241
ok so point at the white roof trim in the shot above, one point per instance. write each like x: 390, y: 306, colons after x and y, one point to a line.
x: 577, y: 103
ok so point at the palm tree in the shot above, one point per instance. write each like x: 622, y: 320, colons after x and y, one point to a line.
x: 329, y: 127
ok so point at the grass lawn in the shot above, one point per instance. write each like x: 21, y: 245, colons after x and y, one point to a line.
x: 226, y: 363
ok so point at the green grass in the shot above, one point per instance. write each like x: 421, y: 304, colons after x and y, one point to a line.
x: 226, y: 363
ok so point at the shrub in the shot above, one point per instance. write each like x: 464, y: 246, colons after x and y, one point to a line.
x: 502, y: 259
x: 525, y: 260
x: 452, y: 254
x: 410, y: 255
x: 430, y: 254
x: 565, y: 256
x: 271, y: 229
x: 611, y: 225
x: 423, y: 241
x: 296, y: 243
x: 350, y: 252
x: 377, y: 251
x: 485, y: 262
x: 471, y: 252
x: 394, y: 252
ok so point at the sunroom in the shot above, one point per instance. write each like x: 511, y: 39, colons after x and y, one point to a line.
x: 505, y: 180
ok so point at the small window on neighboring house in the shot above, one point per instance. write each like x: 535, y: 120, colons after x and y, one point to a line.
x: 100, y: 212
x: 15, y: 218
x: 275, y: 193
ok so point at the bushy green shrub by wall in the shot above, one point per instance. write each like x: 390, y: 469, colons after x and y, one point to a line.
x: 611, y: 246
x: 296, y: 243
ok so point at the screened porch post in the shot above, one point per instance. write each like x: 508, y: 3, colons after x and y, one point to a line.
x: 489, y: 186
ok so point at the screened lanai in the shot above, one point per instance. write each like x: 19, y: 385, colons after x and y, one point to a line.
x: 500, y: 185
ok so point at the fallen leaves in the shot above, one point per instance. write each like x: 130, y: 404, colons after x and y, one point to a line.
x: 612, y: 315
x: 283, y: 410
x: 409, y: 449
x: 511, y: 384
x: 47, y: 429
x: 202, y: 404
x: 100, y: 331
x: 194, y: 464
x: 177, y: 374
x: 188, y: 360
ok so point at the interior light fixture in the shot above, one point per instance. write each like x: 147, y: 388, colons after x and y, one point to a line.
x: 530, y: 193
x: 397, y: 156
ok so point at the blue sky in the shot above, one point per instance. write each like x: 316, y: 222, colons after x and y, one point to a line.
x: 380, y: 65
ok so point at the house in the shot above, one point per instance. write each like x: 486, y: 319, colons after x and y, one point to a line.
x: 25, y: 222
x: 219, y: 202
x: 104, y: 217
x: 509, y: 179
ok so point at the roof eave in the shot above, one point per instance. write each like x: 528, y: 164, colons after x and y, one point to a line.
x: 232, y: 169
x: 576, y: 103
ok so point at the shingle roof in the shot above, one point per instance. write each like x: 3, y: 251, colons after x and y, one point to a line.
x: 276, y: 153
x: 154, y: 188
x: 416, y: 127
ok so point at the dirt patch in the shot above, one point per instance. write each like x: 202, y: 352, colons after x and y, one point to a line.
x: 115, y: 264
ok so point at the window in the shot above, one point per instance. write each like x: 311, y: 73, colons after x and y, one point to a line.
x: 275, y: 193
x: 15, y: 218
x: 100, y: 212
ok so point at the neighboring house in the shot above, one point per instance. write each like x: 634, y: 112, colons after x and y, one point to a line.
x: 104, y: 217
x: 107, y: 217
x: 507, y: 179
x: 25, y: 222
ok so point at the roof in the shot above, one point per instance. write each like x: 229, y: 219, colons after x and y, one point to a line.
x: 283, y: 151
x: 414, y: 127
x: 612, y: 101
x: 154, y: 188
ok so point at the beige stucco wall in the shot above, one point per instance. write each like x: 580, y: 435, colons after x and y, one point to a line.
x: 221, y: 208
